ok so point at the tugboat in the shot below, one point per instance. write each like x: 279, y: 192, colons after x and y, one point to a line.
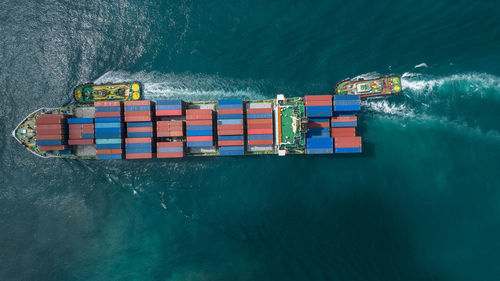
x: 382, y: 86
x: 89, y: 93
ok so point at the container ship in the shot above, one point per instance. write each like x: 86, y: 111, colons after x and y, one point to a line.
x: 114, y: 121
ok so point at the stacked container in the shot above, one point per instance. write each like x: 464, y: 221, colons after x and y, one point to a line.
x: 230, y: 127
x: 259, y: 126
x: 108, y: 130
x: 51, y: 132
x: 173, y: 128
x: 169, y: 108
x: 199, y: 127
x: 343, y: 103
x: 319, y: 111
x: 344, y: 124
x: 170, y: 149
x: 81, y: 131
x: 139, y: 141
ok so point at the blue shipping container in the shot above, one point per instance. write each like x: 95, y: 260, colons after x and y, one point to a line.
x: 348, y: 150
x: 108, y: 119
x: 347, y: 108
x: 80, y: 120
x: 199, y: 143
x: 318, y: 132
x: 199, y: 133
x: 87, y: 136
x: 108, y: 146
x: 139, y: 145
x: 109, y: 130
x: 259, y: 116
x: 138, y: 108
x: 65, y: 152
x: 108, y: 109
x: 170, y: 149
x: 199, y: 128
x: 139, y: 124
x: 50, y: 142
x: 107, y: 125
x: 318, y: 108
x: 169, y: 107
x: 109, y: 156
x: 227, y: 138
x: 169, y: 102
x: 344, y: 124
x: 260, y: 137
x: 319, y: 113
x: 347, y: 102
x: 318, y: 120
x: 140, y: 135
x: 139, y: 150
x: 108, y: 135
x: 230, y: 122
x: 319, y: 150
x: 230, y: 116
x: 230, y: 106
x: 346, y: 97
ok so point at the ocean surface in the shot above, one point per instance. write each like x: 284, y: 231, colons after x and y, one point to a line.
x: 422, y: 202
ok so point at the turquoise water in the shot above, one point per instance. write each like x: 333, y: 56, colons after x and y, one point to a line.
x: 422, y: 202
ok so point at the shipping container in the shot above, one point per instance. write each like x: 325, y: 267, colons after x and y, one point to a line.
x: 259, y: 131
x: 139, y: 134
x: 318, y: 124
x: 80, y: 120
x: 199, y: 117
x: 50, y: 142
x: 260, y: 137
x: 137, y: 113
x: 169, y: 154
x: 168, y: 112
x: 137, y: 108
x: 147, y: 155
x: 229, y: 127
x: 230, y: 116
x: 259, y: 110
x: 50, y: 116
x: 107, y: 125
x: 140, y: 124
x: 109, y: 151
x: 197, y: 122
x: 138, y: 140
x: 198, y: 112
x: 229, y: 101
x: 229, y: 106
x: 109, y: 141
x: 319, y: 103
x: 199, y: 128
x: 108, y: 146
x: 51, y: 147
x: 199, y: 138
x: 231, y: 137
x: 134, y: 150
x: 170, y: 134
x: 229, y: 121
x: 346, y: 108
x: 259, y: 121
x: 107, y: 119
x: 199, y: 143
x: 199, y: 133
x: 108, y: 114
x: 170, y: 149
x: 229, y: 132
x: 169, y: 107
x: 109, y: 156
x: 343, y: 132
x: 260, y: 142
x: 319, y: 150
x: 169, y: 102
x: 231, y: 150
x: 136, y: 102
x: 50, y: 127
x: 260, y: 126
x: 49, y: 137
x: 108, y: 109
x: 230, y: 111
x: 259, y: 116
x: 319, y: 142
x: 58, y: 131
x: 140, y: 130
x: 326, y: 113
x: 137, y: 118
x: 318, y: 132
x: 348, y: 150
x: 229, y: 142
x: 170, y: 144
x: 344, y: 124
x: 347, y: 102
x: 344, y: 119
x: 48, y: 121
x: 346, y: 97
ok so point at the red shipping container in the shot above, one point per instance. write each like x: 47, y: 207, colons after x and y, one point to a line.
x: 88, y: 131
x: 136, y: 102
x: 168, y: 129
x: 77, y: 131
x: 169, y: 154
x: 137, y: 113
x: 200, y: 138
x: 229, y: 127
x: 347, y: 144
x: 259, y: 131
x: 343, y: 132
x: 259, y: 110
x: 47, y: 121
x: 138, y: 119
x: 318, y: 124
x: 170, y: 134
x: 230, y: 142
x: 198, y: 112
x: 88, y: 126
x: 139, y: 155
x: 176, y: 123
x: 80, y: 142
x: 199, y: 122
x: 138, y: 140
x: 230, y: 111
x: 170, y: 144
x: 50, y: 116
x: 344, y: 119
x: 75, y: 136
x: 169, y: 113
x: 108, y: 114
x: 318, y: 97
x: 49, y: 131
x: 260, y: 142
x: 52, y: 147
x: 347, y: 139
x: 110, y: 151
x: 51, y: 127
x: 260, y: 126
x: 199, y: 117
x: 229, y: 132
x: 260, y: 121
x: 139, y: 129
x: 106, y: 103
x: 49, y: 137
x: 163, y: 134
x: 319, y: 103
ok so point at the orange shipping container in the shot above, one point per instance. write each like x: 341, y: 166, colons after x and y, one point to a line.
x: 108, y: 114
x: 199, y: 117
x: 170, y: 134
x: 139, y: 129
x: 170, y: 144
x: 318, y: 97
x: 230, y: 111
x: 138, y: 140
x: 169, y: 154
x: 198, y: 122
x: 344, y: 119
x: 110, y: 151
x: 343, y: 132
x: 259, y: 131
x: 139, y: 155
x: 230, y: 142
x: 136, y: 102
x: 229, y: 132
x: 259, y: 110
x: 138, y: 119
